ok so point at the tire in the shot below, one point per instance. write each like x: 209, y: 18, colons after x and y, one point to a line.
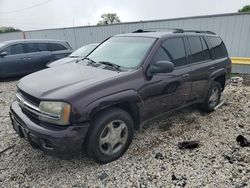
x: 209, y: 104
x: 110, y: 135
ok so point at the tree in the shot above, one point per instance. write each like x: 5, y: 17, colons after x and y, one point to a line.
x: 109, y: 18
x: 4, y: 29
x: 245, y: 9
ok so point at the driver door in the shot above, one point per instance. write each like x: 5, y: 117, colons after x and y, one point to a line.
x: 167, y: 91
x: 14, y: 63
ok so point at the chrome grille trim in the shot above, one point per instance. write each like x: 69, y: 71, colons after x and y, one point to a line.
x: 34, y: 109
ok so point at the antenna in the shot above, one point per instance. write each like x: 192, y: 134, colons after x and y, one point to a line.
x: 74, y: 33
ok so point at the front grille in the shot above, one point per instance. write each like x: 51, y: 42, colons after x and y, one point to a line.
x: 33, y: 100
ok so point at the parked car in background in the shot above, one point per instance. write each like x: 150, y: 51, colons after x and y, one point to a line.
x: 96, y: 104
x: 80, y: 53
x: 20, y: 57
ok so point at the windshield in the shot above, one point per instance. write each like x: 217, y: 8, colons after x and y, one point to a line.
x: 83, y: 51
x: 2, y: 44
x: 126, y: 52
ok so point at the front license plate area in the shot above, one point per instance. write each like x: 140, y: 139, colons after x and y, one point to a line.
x: 22, y: 132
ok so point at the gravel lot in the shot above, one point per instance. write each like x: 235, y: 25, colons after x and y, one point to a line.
x: 153, y: 158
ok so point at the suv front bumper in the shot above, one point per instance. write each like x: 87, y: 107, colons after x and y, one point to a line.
x: 63, y: 142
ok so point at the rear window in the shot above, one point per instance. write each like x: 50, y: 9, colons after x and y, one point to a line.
x: 218, y: 49
x: 56, y: 47
x: 199, y: 49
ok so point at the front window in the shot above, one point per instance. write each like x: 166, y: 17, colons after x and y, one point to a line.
x: 127, y: 52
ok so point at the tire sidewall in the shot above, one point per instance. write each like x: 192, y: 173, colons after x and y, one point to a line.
x: 97, y: 126
x: 214, y: 84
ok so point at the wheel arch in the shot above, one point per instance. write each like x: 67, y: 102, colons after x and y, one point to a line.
x: 128, y: 101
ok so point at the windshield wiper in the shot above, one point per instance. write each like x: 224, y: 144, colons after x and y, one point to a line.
x: 113, y: 65
x: 90, y: 60
x: 73, y: 56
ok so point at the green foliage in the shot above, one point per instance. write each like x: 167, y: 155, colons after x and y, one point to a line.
x: 109, y: 18
x: 4, y: 29
x: 245, y: 9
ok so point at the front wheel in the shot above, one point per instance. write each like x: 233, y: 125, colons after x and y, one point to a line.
x: 212, y: 98
x: 110, y: 135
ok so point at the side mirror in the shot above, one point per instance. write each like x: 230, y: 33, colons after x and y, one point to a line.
x: 2, y: 54
x: 161, y: 67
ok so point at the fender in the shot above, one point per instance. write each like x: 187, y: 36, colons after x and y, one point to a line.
x: 217, y: 73
x: 127, y: 96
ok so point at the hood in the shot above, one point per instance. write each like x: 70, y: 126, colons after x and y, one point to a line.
x: 62, y: 61
x: 60, y: 82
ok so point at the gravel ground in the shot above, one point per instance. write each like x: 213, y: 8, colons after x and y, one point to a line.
x: 153, y: 159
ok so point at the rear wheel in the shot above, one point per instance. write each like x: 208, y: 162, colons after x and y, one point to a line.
x: 110, y: 135
x: 212, y: 98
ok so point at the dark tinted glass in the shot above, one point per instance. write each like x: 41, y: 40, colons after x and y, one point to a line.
x: 206, y: 54
x: 172, y: 50
x: 43, y: 47
x: 218, y: 48
x: 14, y: 49
x: 196, y: 49
x: 32, y: 47
x: 57, y: 47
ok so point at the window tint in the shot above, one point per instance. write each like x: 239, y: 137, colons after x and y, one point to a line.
x: 32, y: 47
x: 56, y: 47
x: 172, y: 50
x: 218, y: 48
x: 36, y: 47
x: 14, y: 49
x: 43, y: 47
x: 206, y: 54
x: 196, y: 49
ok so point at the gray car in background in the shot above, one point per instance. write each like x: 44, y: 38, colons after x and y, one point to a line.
x: 21, y: 57
x: 80, y: 53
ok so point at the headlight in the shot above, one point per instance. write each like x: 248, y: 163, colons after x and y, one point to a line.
x: 55, y: 112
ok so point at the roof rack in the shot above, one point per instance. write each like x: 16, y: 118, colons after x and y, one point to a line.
x: 149, y: 30
x: 141, y: 31
x: 195, y: 31
x: 175, y: 30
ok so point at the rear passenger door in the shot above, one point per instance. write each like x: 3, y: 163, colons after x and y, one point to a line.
x: 15, y: 61
x: 167, y: 91
x: 201, y: 66
x: 38, y: 55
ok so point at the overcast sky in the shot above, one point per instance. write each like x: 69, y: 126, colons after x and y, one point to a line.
x: 44, y: 14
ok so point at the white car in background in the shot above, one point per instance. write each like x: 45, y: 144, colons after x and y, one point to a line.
x: 80, y: 53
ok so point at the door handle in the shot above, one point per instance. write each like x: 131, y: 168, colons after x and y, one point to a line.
x: 29, y: 58
x: 185, y: 76
x: 211, y: 68
x: 23, y: 59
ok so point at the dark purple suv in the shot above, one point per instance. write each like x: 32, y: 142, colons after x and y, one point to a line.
x: 96, y: 104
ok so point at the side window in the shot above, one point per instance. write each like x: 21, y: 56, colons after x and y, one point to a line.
x: 14, y: 49
x: 57, y: 47
x: 206, y: 53
x: 196, y: 49
x: 172, y: 50
x: 218, y: 48
x: 32, y: 47
x: 43, y: 47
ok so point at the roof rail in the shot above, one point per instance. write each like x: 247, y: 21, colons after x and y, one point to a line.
x: 175, y: 30
x: 195, y: 31
x: 141, y: 31
x: 149, y: 30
